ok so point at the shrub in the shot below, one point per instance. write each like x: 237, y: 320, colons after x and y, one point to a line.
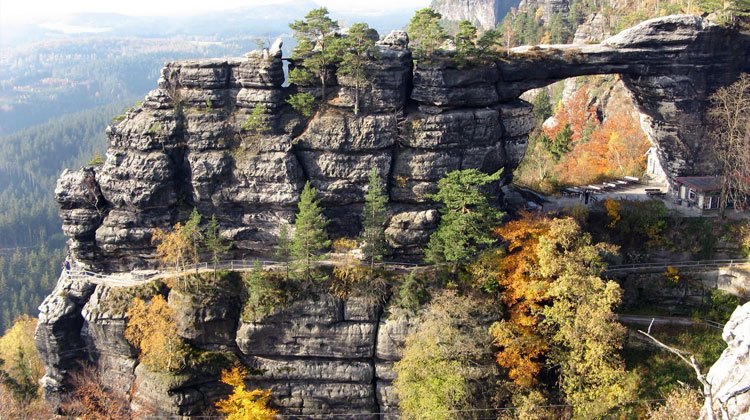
x: 681, y: 403
x: 262, y: 294
x: 96, y: 160
x: 256, y: 122
x: 304, y: 103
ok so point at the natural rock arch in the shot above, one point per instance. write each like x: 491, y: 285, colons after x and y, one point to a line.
x: 185, y: 146
x: 670, y: 64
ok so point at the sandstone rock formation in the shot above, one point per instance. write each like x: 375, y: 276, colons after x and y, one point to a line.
x: 186, y: 146
x: 545, y: 8
x: 320, y: 355
x: 189, y: 145
x: 485, y: 14
x: 730, y: 375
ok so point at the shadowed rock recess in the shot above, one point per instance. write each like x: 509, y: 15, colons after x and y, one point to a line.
x: 188, y: 145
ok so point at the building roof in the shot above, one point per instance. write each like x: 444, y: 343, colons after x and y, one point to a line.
x: 700, y: 183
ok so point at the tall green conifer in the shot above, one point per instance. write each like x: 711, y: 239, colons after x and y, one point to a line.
x: 310, y: 240
x: 374, y: 218
x: 316, y: 48
x: 466, y: 218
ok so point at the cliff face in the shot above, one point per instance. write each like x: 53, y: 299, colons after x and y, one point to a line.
x: 319, y: 355
x: 185, y: 146
x: 485, y: 14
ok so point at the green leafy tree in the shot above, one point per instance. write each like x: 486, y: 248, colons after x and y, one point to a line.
x: 310, y: 240
x: 466, y: 217
x: 358, y: 48
x: 214, y: 243
x: 437, y: 373
x: 583, y: 327
x: 20, y: 366
x: 316, y: 49
x: 374, y: 218
x: 302, y: 102
x: 425, y: 33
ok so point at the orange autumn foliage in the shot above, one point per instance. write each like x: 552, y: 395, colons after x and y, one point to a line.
x: 576, y: 111
x: 613, y: 148
x: 522, y: 345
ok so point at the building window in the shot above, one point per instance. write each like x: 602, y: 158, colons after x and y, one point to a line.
x: 691, y: 194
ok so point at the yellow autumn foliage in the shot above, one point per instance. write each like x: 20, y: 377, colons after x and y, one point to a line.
x: 244, y: 404
x: 152, y: 329
x: 18, y: 352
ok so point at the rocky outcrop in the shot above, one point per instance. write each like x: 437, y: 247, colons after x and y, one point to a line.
x: 58, y: 335
x: 730, y: 375
x: 485, y: 14
x: 545, y: 9
x: 192, y: 144
x: 319, y: 355
x: 670, y: 64
x: 189, y: 144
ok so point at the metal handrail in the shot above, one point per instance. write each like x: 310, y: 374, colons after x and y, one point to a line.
x: 242, y: 264
x: 678, y: 264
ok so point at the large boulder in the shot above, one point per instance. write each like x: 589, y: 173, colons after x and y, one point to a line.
x: 730, y: 375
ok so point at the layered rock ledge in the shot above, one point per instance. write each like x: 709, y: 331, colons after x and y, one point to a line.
x: 318, y: 355
x: 188, y: 144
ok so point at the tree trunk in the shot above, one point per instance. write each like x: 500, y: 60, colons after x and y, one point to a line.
x: 323, y: 88
x: 356, y: 96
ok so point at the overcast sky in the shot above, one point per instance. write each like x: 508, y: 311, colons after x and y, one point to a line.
x: 24, y: 11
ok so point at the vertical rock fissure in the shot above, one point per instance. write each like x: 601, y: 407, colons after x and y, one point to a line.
x: 373, y: 361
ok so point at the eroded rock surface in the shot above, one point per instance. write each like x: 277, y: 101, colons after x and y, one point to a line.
x: 320, y: 355
x: 190, y: 145
x: 730, y: 375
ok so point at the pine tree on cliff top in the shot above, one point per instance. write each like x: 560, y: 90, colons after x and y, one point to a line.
x: 425, y: 33
x: 357, y: 50
x: 310, y: 240
x: 316, y: 49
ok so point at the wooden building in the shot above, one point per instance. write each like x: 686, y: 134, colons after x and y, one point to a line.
x: 701, y: 192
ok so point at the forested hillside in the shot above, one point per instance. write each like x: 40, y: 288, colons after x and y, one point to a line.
x: 26, y: 276
x: 30, y: 162
x: 54, y: 78
x: 545, y: 22
x: 31, y: 242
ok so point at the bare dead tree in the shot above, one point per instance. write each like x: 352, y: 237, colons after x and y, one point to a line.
x: 729, y: 116
x: 689, y: 359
